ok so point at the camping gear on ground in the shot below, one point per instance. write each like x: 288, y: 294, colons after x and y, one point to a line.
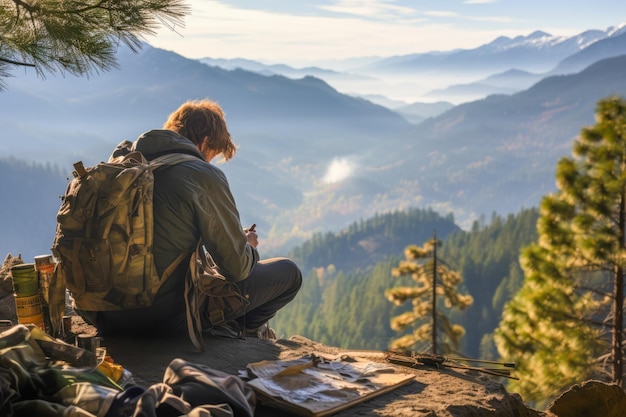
x: 315, y: 386
x: 45, y: 376
x: 27, y: 298
x: 198, y: 384
x: 88, y: 342
x: 414, y: 359
x: 25, y: 279
x: 44, y: 265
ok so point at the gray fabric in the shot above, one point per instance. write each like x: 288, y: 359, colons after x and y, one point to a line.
x: 272, y: 284
x: 198, y: 384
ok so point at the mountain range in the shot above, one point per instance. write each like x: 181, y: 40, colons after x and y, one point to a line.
x: 503, y: 66
x: 312, y: 158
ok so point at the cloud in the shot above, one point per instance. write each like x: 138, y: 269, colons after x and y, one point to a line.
x: 218, y: 30
x: 368, y: 8
x: 480, y: 1
x: 353, y: 29
x: 338, y: 170
x: 441, y: 13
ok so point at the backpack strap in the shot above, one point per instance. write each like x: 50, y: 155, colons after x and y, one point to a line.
x: 193, y: 301
x: 170, y: 269
x: 193, y: 297
x: 122, y: 153
x: 171, y: 159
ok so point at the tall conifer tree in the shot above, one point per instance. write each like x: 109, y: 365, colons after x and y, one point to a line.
x: 435, y: 280
x: 569, y: 311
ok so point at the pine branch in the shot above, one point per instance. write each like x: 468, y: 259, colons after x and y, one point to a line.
x: 79, y: 37
x: 18, y: 63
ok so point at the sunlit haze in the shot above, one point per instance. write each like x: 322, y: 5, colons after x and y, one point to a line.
x: 338, y: 170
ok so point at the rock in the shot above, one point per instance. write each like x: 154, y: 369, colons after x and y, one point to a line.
x: 435, y: 392
x: 443, y: 392
x: 590, y: 399
x: 7, y: 300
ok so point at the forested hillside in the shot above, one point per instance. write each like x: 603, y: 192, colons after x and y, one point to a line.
x: 346, y: 273
x: 30, y: 201
x: 342, y: 301
x: 366, y: 242
x: 488, y: 258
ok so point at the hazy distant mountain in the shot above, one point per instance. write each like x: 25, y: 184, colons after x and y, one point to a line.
x: 268, y: 69
x: 384, y: 101
x: 502, y: 150
x: 468, y: 92
x: 492, y: 155
x: 508, y: 82
x: 311, y: 158
x: 418, y: 112
x: 328, y: 75
x: 412, y: 112
x: 288, y: 130
x: 514, y: 80
x: 121, y: 104
x: 537, y: 52
x: 503, y: 66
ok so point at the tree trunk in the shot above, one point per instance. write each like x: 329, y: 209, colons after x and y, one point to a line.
x: 618, y: 303
x: 435, y: 293
x: 618, y: 290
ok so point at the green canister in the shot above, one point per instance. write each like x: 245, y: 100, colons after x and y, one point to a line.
x: 27, y: 297
x: 25, y: 280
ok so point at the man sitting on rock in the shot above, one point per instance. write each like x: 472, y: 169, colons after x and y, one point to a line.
x: 192, y: 202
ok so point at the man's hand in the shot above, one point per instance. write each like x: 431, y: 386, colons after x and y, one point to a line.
x: 251, y: 236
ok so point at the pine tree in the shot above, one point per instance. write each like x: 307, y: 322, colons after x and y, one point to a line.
x: 79, y: 37
x: 435, y: 279
x: 569, y: 310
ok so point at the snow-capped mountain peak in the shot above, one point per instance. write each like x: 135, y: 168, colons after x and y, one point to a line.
x: 616, y: 30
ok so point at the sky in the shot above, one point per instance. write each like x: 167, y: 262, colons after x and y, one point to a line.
x: 301, y: 33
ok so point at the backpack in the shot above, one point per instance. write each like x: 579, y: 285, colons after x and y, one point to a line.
x: 103, y: 246
x: 103, y: 240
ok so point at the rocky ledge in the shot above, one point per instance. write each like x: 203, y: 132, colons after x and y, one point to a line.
x: 434, y: 392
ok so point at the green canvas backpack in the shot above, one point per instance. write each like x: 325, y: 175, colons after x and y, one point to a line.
x: 103, y: 241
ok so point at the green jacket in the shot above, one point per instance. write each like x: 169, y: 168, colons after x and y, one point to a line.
x: 192, y: 201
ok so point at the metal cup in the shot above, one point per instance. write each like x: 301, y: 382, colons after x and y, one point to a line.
x: 87, y: 342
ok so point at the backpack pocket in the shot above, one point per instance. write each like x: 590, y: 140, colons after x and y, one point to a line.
x: 89, y: 265
x: 94, y: 256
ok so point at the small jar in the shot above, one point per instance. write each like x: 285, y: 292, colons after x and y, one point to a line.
x: 44, y: 265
